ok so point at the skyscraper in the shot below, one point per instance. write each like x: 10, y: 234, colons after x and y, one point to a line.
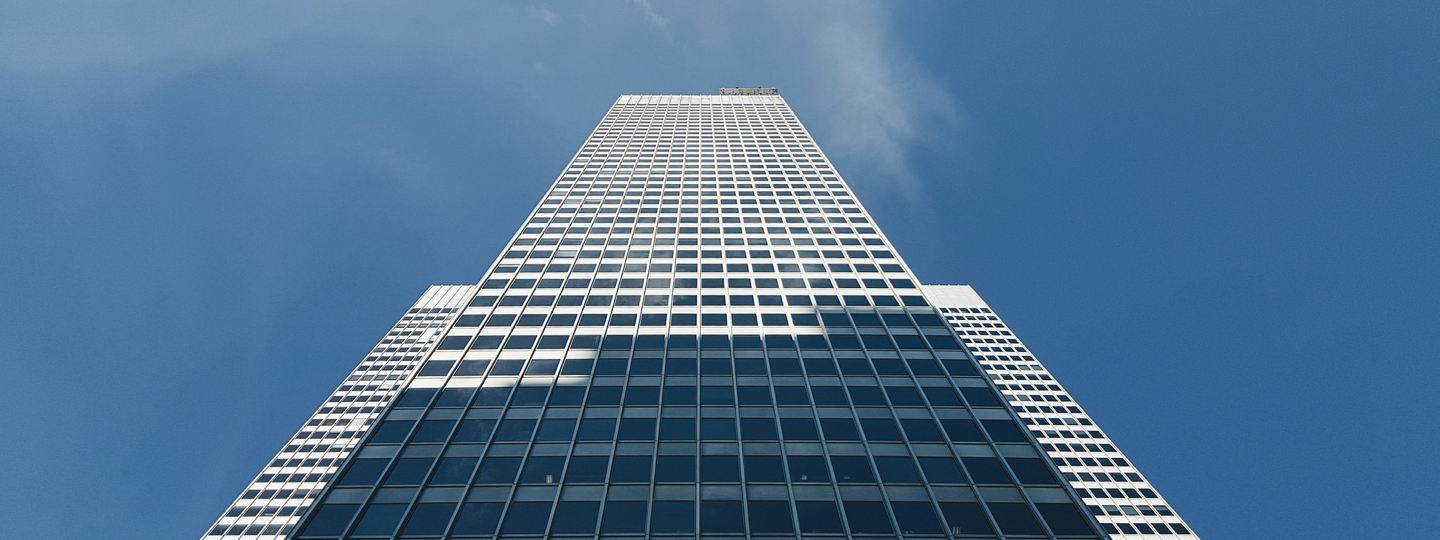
x: 697, y: 332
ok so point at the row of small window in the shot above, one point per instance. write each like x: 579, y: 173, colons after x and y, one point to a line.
x: 812, y: 342
x: 793, y: 300
x: 714, y: 517
x: 918, y: 367
x: 698, y: 254
x: 1145, y: 528
x: 626, y: 240
x: 833, y: 429
x: 832, y: 319
x: 692, y: 219
x: 707, y: 283
x: 708, y: 268
x: 1118, y: 493
x: 713, y: 469
x: 686, y: 395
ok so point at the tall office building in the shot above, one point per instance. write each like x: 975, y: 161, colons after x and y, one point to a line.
x: 698, y: 332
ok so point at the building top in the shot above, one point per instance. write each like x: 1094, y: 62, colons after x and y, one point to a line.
x: 749, y: 91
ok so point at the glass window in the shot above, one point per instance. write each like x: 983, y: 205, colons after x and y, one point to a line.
x: 455, y: 470
x: 587, y: 469
x: 542, y: 470
x: 721, y: 517
x: 526, y: 518
x: 675, y: 469
x: 819, y: 517
x: 624, y: 517
x: 498, y: 470
x: 673, y: 517
x: 966, y: 518
x: 330, y: 520
x: 808, y: 469
x: 916, y: 518
x: 896, y: 470
x: 1014, y: 518
x: 770, y: 517
x: 474, y: 430
x: 576, y: 517
x: 409, y: 472
x: 985, y: 470
x: 941, y: 470
x: 631, y: 469
x: 1064, y: 519
x: 1031, y: 471
x: 719, y: 469
x: 867, y: 517
x: 429, y: 519
x: 852, y: 470
x: 392, y: 431
x: 364, y: 472
x: 764, y: 469
x: 380, y: 520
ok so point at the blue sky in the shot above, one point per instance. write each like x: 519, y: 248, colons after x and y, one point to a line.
x: 1215, y: 222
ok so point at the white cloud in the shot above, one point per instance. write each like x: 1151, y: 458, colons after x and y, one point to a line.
x: 651, y: 15
x: 550, y: 17
x: 884, y: 106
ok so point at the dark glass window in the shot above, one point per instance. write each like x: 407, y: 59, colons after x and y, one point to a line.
x: 1014, y: 518
x: 866, y: 517
x: 941, y: 470
x: 515, y: 430
x: 575, y: 517
x: 673, y: 517
x: 526, y: 518
x: 758, y: 429
x: 455, y: 397
x: 330, y: 520
x: 839, y: 429
x: 808, y: 469
x: 392, y: 431
x: 916, y: 518
x: 799, y: 429
x: 1031, y: 471
x: 980, y: 397
x: 896, y: 470
x: 596, y: 429
x: 474, y: 430
x: 380, y: 520
x: 479, y: 518
x: 764, y: 469
x: 630, y: 469
x: 587, y: 469
x: 880, y: 429
x: 985, y: 470
x: 429, y: 519
x: 498, y: 470
x: 409, y: 472
x: 721, y: 517
x: 852, y: 470
x: 433, y: 431
x: 677, y: 429
x: 819, y: 517
x: 921, y: 430
x: 770, y: 517
x: 719, y: 469
x: 364, y: 472
x: 1003, y: 431
x: 556, y: 430
x: 455, y: 470
x: 966, y: 518
x: 961, y: 430
x: 1064, y: 519
x: 675, y: 469
x: 637, y: 429
x: 624, y: 517
x: 542, y: 470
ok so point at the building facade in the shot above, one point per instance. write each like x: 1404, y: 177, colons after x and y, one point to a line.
x: 1124, y: 502
x: 698, y: 332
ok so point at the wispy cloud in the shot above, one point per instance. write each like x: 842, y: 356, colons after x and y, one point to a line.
x: 651, y: 15
x: 550, y: 17
x: 884, y: 105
